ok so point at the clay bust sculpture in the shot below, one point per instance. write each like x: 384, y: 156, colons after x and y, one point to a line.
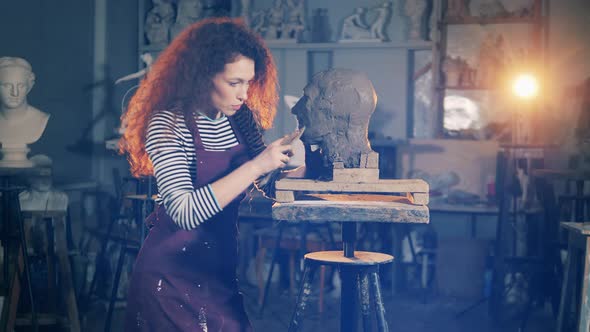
x: 335, y: 109
x: 20, y: 123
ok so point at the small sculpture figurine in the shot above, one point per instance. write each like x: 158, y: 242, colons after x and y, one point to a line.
x: 188, y: 12
x: 147, y: 60
x: 215, y: 8
x: 354, y: 26
x: 335, y: 110
x: 378, y: 26
x: 20, y: 123
x: 457, y: 8
x: 458, y: 73
x: 490, y: 60
x: 415, y: 9
x: 245, y: 11
x: 452, y: 70
x: 492, y: 9
x: 295, y: 20
x: 257, y: 22
x: 158, y: 22
x: 274, y: 20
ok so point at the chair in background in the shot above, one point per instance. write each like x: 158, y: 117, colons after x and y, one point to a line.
x: 296, y: 239
x: 120, y: 236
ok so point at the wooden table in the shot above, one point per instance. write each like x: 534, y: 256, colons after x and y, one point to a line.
x: 474, y: 211
x: 350, y: 210
x: 578, y: 251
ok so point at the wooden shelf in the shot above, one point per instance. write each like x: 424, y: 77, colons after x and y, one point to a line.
x: 424, y: 45
x: 411, y: 45
x: 481, y: 88
x: 151, y: 48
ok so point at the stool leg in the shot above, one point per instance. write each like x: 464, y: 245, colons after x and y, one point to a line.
x: 303, y: 296
x: 115, y: 289
x: 348, y: 301
x: 379, y: 307
x: 21, y: 229
x: 584, y: 323
x: 272, y: 265
x: 68, y: 289
x: 292, y: 272
x: 259, y: 270
x: 363, y: 288
x: 50, y: 260
x: 568, y: 280
x: 322, y: 286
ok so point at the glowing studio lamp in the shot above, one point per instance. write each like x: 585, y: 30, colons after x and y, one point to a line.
x: 525, y: 86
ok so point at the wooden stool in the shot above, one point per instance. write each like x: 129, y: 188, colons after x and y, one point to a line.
x: 363, y: 267
x: 351, y: 197
x: 578, y: 251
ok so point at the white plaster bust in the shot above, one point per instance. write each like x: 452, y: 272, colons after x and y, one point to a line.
x: 20, y: 123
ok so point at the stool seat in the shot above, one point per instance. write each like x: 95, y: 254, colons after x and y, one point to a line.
x: 336, y: 257
x: 140, y: 197
x: 359, y: 274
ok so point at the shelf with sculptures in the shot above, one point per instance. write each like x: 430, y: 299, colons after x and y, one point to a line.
x: 285, y: 21
x: 489, y: 65
x: 485, y: 68
x: 490, y: 12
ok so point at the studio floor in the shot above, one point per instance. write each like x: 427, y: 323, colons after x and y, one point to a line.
x: 408, y: 311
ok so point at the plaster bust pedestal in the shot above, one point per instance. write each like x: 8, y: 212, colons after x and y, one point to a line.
x: 15, y: 156
x: 16, y: 132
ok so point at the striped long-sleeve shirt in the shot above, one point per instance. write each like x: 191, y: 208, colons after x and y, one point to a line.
x: 171, y: 149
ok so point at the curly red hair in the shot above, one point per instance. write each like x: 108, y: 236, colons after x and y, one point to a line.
x: 181, y: 79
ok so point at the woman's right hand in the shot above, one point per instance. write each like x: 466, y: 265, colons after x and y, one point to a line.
x: 276, y: 155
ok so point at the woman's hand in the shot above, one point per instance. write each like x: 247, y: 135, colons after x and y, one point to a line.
x: 276, y: 155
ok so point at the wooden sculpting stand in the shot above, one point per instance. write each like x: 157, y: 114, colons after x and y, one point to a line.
x: 16, y: 268
x: 364, y: 180
x: 354, y: 195
x: 56, y: 253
